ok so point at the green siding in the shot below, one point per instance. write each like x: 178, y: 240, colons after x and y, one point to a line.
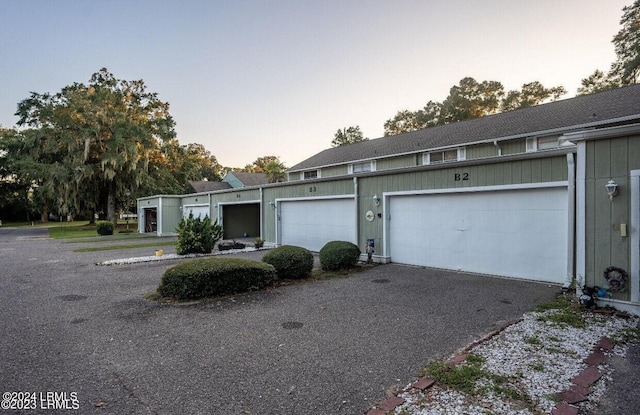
x: 306, y: 189
x: 479, y: 151
x: 516, y: 146
x: 409, y: 160
x: 170, y: 214
x: 490, y: 174
x: 334, y: 171
x: 604, y: 246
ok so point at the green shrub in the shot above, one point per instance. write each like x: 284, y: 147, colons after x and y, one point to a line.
x: 105, y: 228
x: 290, y: 261
x: 197, y: 236
x: 337, y: 255
x: 208, y: 277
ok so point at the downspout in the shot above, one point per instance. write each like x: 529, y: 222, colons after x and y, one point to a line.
x: 261, y: 207
x: 159, y: 218
x: 357, y: 208
x: 571, y: 239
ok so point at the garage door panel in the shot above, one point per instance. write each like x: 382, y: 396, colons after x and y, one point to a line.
x: 313, y: 223
x: 518, y: 233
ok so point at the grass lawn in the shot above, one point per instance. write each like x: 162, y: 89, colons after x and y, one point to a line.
x: 65, y: 230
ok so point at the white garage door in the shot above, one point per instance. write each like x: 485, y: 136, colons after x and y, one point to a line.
x: 198, y: 211
x: 313, y: 223
x: 515, y: 233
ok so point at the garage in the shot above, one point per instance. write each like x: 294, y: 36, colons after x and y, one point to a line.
x: 241, y: 220
x: 198, y: 211
x: 313, y: 223
x: 519, y: 233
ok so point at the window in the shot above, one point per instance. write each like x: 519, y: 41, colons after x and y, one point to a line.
x: 542, y: 143
x: 311, y: 174
x: 445, y: 156
x: 364, y: 167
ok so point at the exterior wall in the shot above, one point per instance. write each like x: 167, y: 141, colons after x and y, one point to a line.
x: 409, y: 160
x: 334, y: 171
x: 608, y: 159
x: 479, y: 151
x: 533, y: 170
x: 513, y: 146
x: 169, y: 216
x: 308, y: 190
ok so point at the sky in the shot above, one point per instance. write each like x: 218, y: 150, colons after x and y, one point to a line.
x: 279, y: 77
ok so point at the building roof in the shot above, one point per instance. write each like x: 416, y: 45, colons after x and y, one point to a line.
x: 585, y: 111
x: 206, y: 186
x: 249, y: 179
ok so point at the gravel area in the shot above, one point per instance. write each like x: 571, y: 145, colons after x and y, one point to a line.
x: 539, y: 358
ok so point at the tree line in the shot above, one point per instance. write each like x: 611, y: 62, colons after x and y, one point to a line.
x: 94, y: 148
x: 471, y: 99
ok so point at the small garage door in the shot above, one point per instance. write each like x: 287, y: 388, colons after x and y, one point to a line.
x: 198, y: 211
x: 515, y: 233
x: 313, y: 223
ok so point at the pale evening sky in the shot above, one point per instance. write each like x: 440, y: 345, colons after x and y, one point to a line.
x: 279, y: 77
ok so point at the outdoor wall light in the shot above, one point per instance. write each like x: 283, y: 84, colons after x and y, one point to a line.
x: 273, y: 205
x: 376, y: 200
x: 612, y: 188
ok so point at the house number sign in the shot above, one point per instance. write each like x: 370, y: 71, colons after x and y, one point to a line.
x: 457, y: 176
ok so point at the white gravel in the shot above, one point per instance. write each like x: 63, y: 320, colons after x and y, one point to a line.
x: 539, y: 357
x: 163, y: 257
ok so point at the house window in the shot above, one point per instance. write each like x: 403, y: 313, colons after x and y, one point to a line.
x: 367, y: 166
x: 445, y: 156
x: 545, y: 143
x: 542, y: 143
x: 311, y: 174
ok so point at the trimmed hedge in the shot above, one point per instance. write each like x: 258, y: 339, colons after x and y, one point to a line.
x: 337, y: 255
x: 290, y: 261
x: 209, y: 277
x: 105, y: 228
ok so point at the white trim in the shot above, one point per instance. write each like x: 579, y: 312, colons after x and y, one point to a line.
x: 387, y: 195
x: 581, y: 217
x: 571, y: 222
x: 462, y: 153
x: 635, y: 236
x: 218, y: 207
x: 531, y: 144
x: 159, y: 217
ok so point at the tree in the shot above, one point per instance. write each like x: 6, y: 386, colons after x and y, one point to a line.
x: 346, y: 136
x: 470, y: 99
x: 531, y: 94
x: 96, y: 140
x: 258, y: 166
x: 275, y: 171
x: 598, y: 81
x: 627, y: 46
x: 626, y: 68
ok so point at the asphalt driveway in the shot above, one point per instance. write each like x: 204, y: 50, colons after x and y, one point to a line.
x: 327, y: 347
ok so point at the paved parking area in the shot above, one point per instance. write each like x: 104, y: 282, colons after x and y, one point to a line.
x: 324, y: 347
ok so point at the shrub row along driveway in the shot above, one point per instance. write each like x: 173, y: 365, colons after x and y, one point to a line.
x: 327, y: 347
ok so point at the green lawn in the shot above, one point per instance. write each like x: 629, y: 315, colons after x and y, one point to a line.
x: 65, y: 230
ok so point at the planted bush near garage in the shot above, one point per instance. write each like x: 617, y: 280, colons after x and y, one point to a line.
x: 196, y: 235
x: 290, y: 261
x: 105, y: 228
x: 208, y: 277
x: 337, y: 255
